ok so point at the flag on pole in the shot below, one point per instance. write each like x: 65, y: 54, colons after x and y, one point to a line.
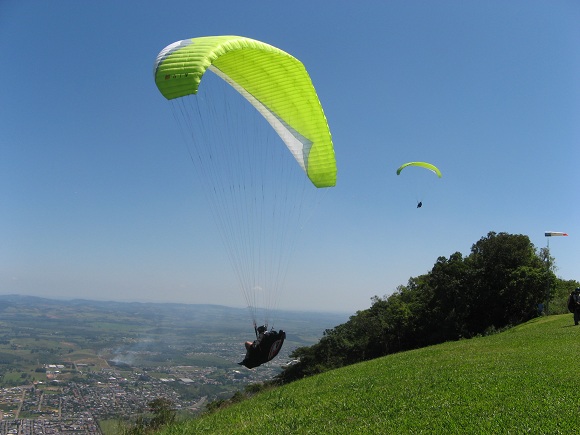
x: 555, y: 233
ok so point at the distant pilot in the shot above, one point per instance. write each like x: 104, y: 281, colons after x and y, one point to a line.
x: 419, y: 204
x: 574, y: 304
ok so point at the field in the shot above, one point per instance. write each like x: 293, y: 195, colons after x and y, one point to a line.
x: 523, y: 380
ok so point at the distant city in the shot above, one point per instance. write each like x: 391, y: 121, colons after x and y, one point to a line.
x: 83, y: 366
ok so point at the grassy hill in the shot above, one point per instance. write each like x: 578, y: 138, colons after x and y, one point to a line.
x: 523, y: 380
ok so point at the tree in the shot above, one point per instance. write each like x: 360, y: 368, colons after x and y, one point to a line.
x: 507, y: 278
x: 451, y: 302
x: 163, y: 414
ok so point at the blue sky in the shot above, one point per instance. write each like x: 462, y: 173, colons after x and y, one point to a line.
x: 98, y: 199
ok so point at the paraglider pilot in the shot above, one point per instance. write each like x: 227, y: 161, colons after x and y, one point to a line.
x: 419, y: 204
x: 574, y: 304
x: 264, y: 348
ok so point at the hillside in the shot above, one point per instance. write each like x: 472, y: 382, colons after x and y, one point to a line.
x: 522, y: 380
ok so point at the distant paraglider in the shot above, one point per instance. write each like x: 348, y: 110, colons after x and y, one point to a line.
x: 425, y: 165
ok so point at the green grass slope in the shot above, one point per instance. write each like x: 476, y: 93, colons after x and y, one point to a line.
x: 524, y: 380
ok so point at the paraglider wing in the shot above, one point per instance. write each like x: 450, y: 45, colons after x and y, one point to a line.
x: 272, y: 80
x: 425, y: 165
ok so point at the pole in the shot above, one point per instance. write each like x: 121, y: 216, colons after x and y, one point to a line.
x: 548, y: 276
x: 549, y: 234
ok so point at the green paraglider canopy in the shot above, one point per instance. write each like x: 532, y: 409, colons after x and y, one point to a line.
x: 274, y: 82
x: 425, y: 165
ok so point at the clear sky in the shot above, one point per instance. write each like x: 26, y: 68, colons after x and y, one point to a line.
x: 97, y: 198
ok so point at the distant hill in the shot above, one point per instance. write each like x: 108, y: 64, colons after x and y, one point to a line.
x: 523, y: 380
x: 200, y: 316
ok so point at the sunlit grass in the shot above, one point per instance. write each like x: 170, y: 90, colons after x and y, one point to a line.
x: 519, y: 381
